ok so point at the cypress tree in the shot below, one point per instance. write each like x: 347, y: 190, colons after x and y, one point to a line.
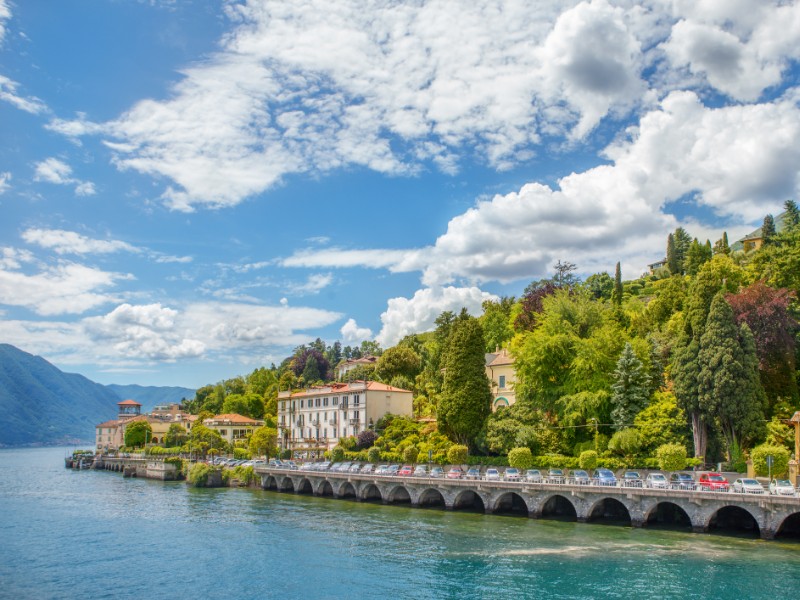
x: 697, y: 256
x: 630, y: 387
x: 722, y: 247
x: 466, y: 398
x: 616, y: 294
x: 791, y: 218
x: 728, y: 383
x: 682, y: 242
x: 672, y: 257
x: 768, y: 230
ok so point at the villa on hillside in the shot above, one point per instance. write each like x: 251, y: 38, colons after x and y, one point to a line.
x: 755, y: 239
x: 315, y: 418
x: 110, y: 435
x: 344, y: 367
x: 233, y: 427
x: 502, y: 377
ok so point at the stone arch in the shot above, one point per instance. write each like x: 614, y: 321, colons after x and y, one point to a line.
x: 324, y: 488
x: 398, y: 495
x: 734, y: 519
x: 154, y: 440
x: 558, y: 507
x: 789, y: 527
x: 270, y: 483
x: 469, y: 500
x: 304, y: 487
x: 370, y: 492
x: 668, y: 514
x: 286, y: 485
x: 431, y: 497
x: 501, y: 402
x: 510, y: 503
x: 609, y: 510
x: 346, y: 490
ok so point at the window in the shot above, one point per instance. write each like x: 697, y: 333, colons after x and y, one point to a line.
x: 301, y: 403
x: 223, y: 432
x: 355, y: 415
x: 336, y: 400
x: 356, y: 398
x: 326, y: 433
x: 502, y: 379
x: 317, y: 403
x: 324, y: 402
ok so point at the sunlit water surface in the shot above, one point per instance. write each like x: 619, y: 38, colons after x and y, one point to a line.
x: 93, y: 534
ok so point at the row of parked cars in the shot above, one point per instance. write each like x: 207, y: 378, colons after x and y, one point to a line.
x: 714, y: 482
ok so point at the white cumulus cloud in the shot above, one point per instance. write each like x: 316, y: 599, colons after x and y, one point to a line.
x: 353, y: 334
x: 53, y: 170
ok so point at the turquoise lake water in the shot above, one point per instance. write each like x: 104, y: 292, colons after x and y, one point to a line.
x: 93, y: 534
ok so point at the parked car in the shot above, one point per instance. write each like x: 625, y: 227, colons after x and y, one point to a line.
x: 533, y: 476
x: 355, y: 468
x: 392, y: 469
x: 555, y: 476
x: 405, y: 471
x: 713, y: 482
x: 421, y: 471
x: 656, y: 481
x: 455, y: 473
x: 781, y: 487
x: 632, y: 479
x: 289, y: 464
x: 747, y: 486
x: 604, y: 477
x: 382, y: 470
x: 437, y: 472
x: 368, y: 468
x: 473, y: 473
x: 681, y: 481
x: 492, y: 474
x: 511, y: 474
x: 275, y: 463
x: 579, y: 477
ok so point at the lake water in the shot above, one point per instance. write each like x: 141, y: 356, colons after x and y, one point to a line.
x: 92, y: 534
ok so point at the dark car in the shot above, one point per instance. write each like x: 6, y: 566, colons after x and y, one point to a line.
x: 632, y: 479
x: 681, y: 481
x: 555, y: 476
x: 579, y: 477
x: 473, y: 473
x: 604, y: 477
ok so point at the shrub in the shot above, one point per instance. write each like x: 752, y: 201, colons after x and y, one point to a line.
x: 337, y: 454
x: 520, y: 458
x: 588, y: 460
x: 348, y: 443
x: 671, y: 457
x: 374, y: 454
x: 457, y: 454
x: 241, y: 454
x: 410, y: 454
x: 626, y: 442
x: 198, y: 474
x: 780, y: 457
x: 366, y: 439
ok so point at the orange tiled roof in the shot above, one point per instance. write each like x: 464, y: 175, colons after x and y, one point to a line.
x: 346, y: 388
x: 502, y: 359
x: 128, y: 403
x: 113, y: 423
x: 233, y: 418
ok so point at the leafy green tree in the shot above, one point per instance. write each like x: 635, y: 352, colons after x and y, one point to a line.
x: 721, y: 246
x: 204, y: 439
x: 631, y: 388
x: 626, y: 442
x: 248, y: 404
x: 496, y: 322
x: 662, y: 422
x: 616, y: 295
x: 398, y: 361
x: 337, y: 454
x: 588, y: 460
x: 780, y: 460
x: 138, y: 433
x: 671, y: 457
x: 466, y: 397
x: 504, y: 425
x: 520, y: 458
x: 264, y: 441
x: 457, y: 454
x: 176, y: 436
x: 374, y: 454
x: 600, y: 285
x: 697, y: 255
x: 410, y: 454
x: 728, y: 382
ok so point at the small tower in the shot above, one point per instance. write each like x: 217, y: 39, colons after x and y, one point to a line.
x: 129, y: 409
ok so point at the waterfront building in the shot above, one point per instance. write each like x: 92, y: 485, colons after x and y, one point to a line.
x: 233, y: 427
x: 502, y: 377
x: 315, y: 418
x: 110, y: 435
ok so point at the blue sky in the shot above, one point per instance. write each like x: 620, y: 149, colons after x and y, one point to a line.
x: 189, y: 189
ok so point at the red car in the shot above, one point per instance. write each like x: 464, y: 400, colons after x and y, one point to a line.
x: 405, y: 471
x: 713, y: 482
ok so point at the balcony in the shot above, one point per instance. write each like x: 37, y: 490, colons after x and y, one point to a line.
x: 354, y: 421
x: 343, y: 407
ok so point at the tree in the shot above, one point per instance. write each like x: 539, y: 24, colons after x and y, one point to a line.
x: 616, y: 295
x: 532, y: 303
x: 662, y: 422
x: 311, y: 370
x: 138, y: 433
x: 721, y: 246
x: 601, y: 285
x: 767, y: 230
x: 728, y: 382
x: 587, y: 460
x: 366, y: 439
x: 791, y: 218
x: 673, y: 261
x: 264, y: 440
x: 248, y: 404
x: 697, y: 255
x: 671, y: 457
x: 496, y: 322
x: 374, y: 454
x: 457, y: 454
x: 780, y: 460
x: 176, y: 436
x: 626, y: 442
x: 564, y: 277
x: 466, y: 397
x: 204, y: 439
x: 399, y: 360
x: 520, y: 458
x: 631, y: 388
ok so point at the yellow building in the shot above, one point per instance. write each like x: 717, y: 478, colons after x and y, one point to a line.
x: 233, y: 427
x: 502, y: 377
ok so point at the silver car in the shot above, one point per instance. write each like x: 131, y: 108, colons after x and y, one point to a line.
x: 656, y: 481
x: 747, y: 486
x: 781, y: 487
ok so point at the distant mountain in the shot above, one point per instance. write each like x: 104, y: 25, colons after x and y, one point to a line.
x: 42, y: 405
x: 150, y: 396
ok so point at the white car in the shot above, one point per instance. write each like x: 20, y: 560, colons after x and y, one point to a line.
x: 747, y: 486
x: 492, y: 475
x: 781, y: 487
x: 656, y: 481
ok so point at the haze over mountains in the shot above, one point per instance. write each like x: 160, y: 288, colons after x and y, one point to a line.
x: 42, y: 405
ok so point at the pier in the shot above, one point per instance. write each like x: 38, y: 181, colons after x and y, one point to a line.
x: 700, y: 511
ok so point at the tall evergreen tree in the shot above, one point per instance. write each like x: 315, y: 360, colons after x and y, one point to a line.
x: 697, y: 256
x: 768, y: 230
x: 682, y: 242
x: 721, y: 246
x: 728, y: 383
x: 616, y: 295
x: 685, y: 374
x: 791, y: 218
x: 466, y: 398
x: 631, y: 388
x: 673, y: 262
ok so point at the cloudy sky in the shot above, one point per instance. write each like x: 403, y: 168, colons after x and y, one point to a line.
x: 191, y: 188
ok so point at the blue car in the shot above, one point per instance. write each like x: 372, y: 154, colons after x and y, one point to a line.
x: 604, y: 477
